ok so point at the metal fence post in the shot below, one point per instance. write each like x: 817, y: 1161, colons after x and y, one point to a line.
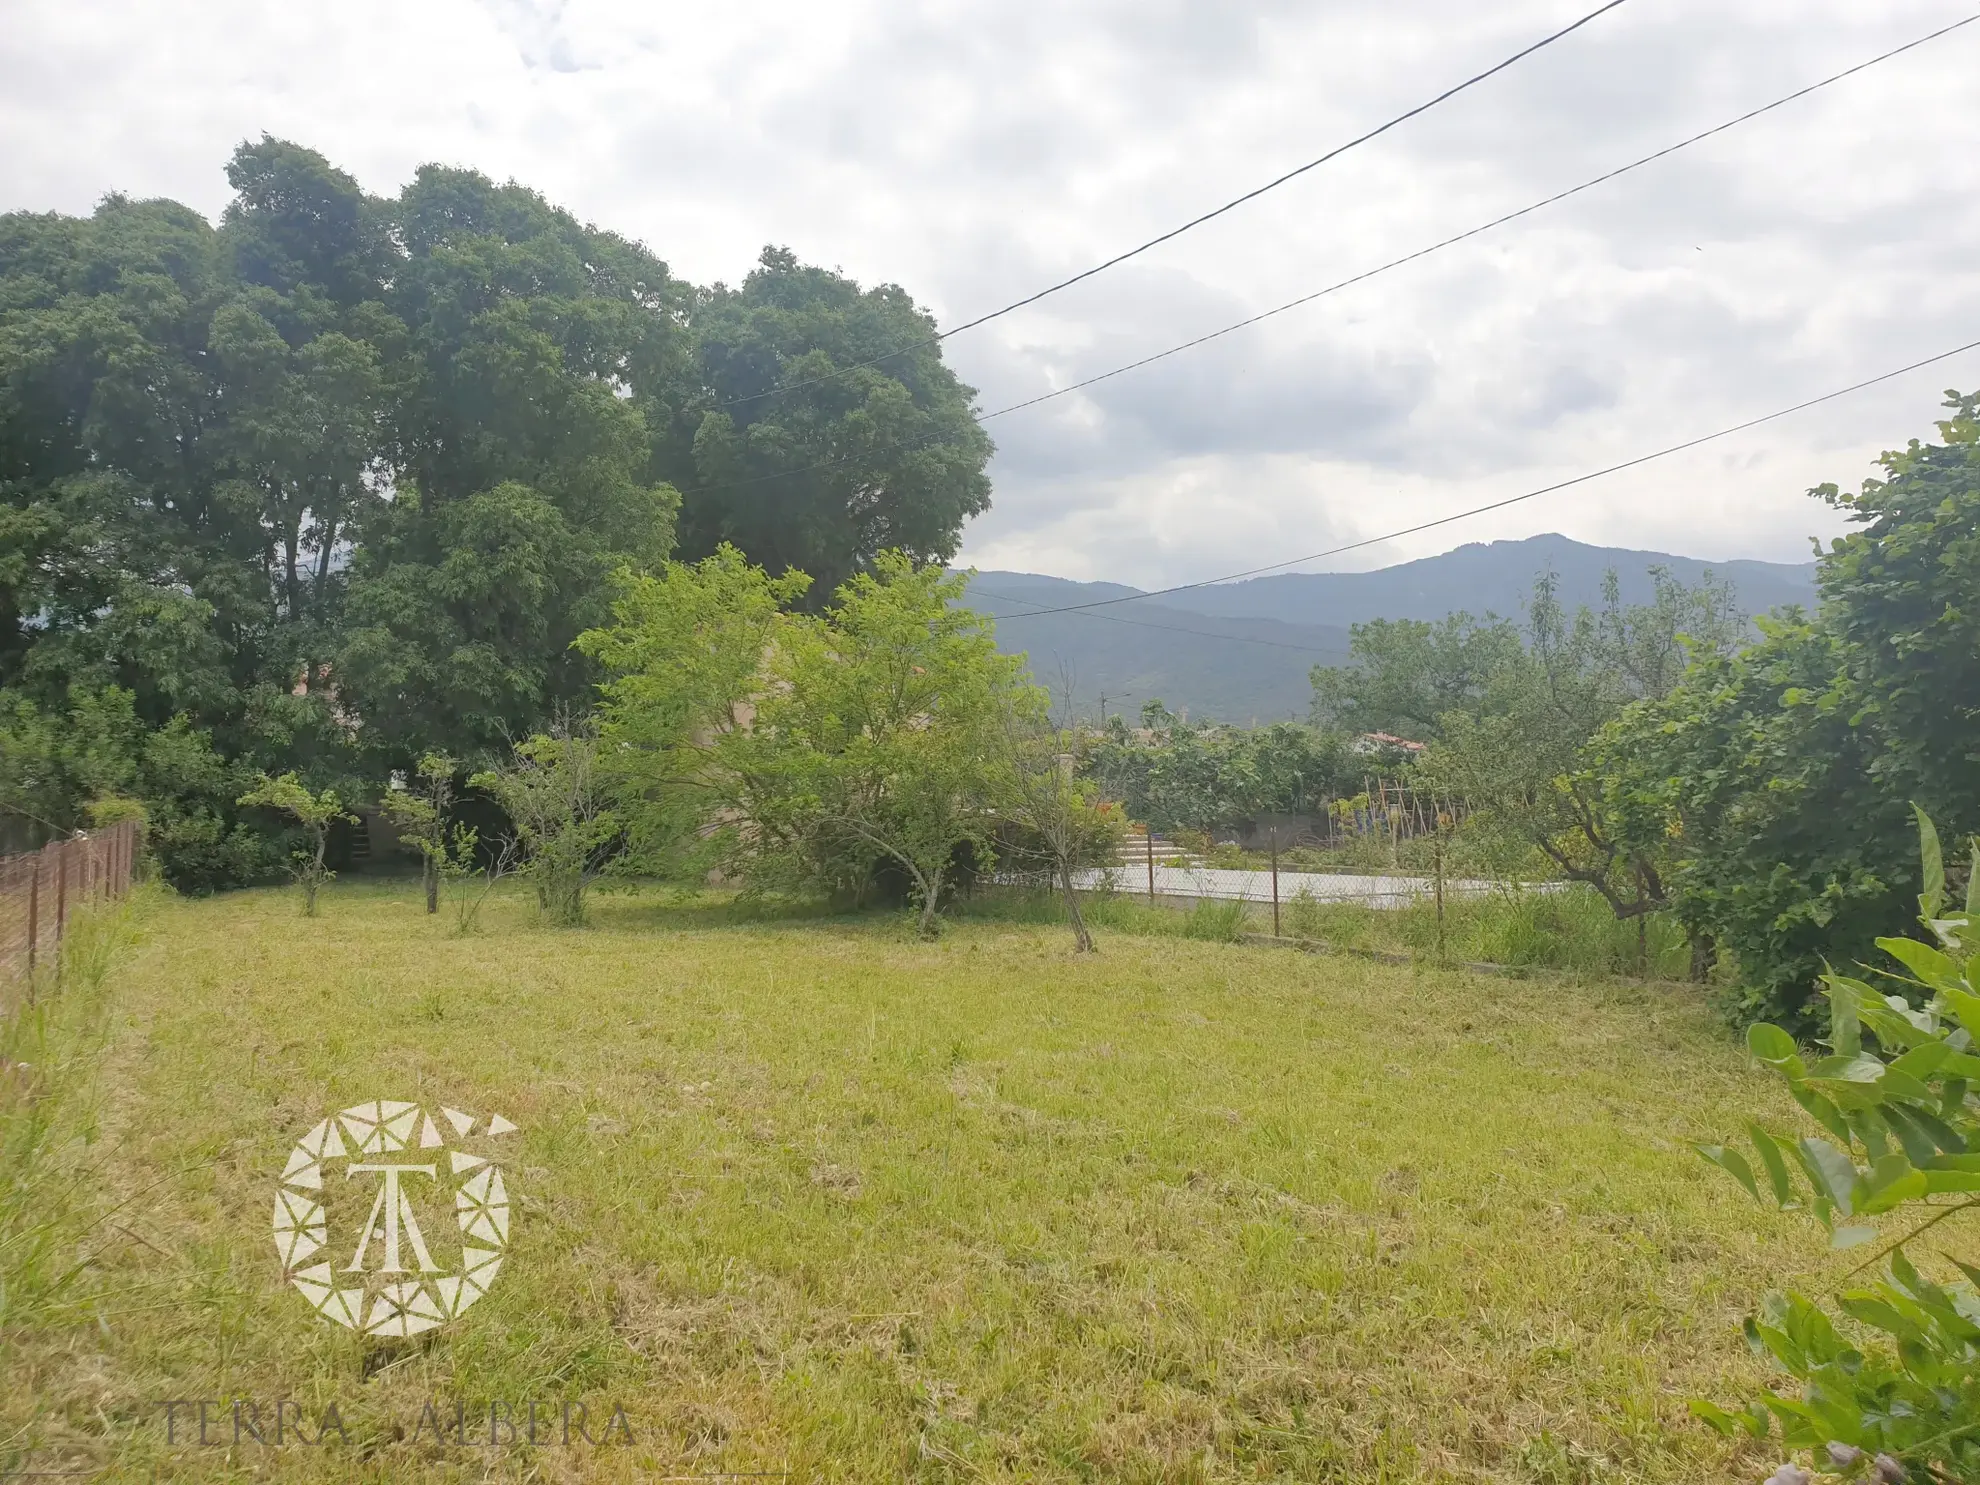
x: 1148, y: 838
x: 34, y: 917
x: 61, y: 900
x: 1275, y: 881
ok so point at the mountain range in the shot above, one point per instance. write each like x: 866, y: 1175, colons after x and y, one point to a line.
x: 1240, y: 652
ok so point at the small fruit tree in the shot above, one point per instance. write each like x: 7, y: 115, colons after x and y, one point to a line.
x: 315, y: 813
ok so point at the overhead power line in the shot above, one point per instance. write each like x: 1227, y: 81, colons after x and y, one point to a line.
x: 1393, y: 263
x: 1479, y: 510
x: 1511, y: 216
x: 1196, y: 221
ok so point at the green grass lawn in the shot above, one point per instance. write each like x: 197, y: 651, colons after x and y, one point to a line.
x: 816, y: 1196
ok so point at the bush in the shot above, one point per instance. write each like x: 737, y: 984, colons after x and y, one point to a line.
x: 1896, y: 1393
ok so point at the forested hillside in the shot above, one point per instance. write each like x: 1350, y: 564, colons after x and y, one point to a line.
x: 1239, y: 651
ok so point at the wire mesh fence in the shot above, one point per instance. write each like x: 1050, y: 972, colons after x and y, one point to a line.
x: 42, y: 891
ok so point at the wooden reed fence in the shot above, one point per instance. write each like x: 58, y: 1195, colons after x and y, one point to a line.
x: 41, y: 891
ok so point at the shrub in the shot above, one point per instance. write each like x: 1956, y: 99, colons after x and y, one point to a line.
x: 1903, y: 1402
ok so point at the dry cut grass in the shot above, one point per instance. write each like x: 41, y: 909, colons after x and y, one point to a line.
x: 820, y: 1198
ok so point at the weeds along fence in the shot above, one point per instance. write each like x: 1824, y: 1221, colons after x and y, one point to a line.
x: 41, y: 892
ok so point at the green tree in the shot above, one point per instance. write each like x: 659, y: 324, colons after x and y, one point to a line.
x: 1056, y: 817
x: 555, y: 788
x: 1752, y: 783
x: 804, y: 455
x: 1779, y: 781
x: 686, y: 660
x: 876, y: 740
x: 1519, y: 757
x: 340, y: 480
x: 1199, y: 777
x: 522, y: 461
x: 419, y: 811
x: 315, y: 814
x: 1408, y: 674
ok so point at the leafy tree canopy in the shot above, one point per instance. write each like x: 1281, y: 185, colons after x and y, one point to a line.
x: 1409, y: 673
x: 1781, y: 780
x: 338, y: 481
x: 826, y: 428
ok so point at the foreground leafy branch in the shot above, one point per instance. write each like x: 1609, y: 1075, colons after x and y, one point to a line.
x: 1894, y: 1096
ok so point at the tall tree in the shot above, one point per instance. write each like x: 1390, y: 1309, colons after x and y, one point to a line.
x: 1520, y: 755
x: 826, y: 428
x: 876, y: 744
x: 1409, y: 673
x: 522, y: 466
x: 686, y: 659
x: 1782, y: 780
x: 338, y: 482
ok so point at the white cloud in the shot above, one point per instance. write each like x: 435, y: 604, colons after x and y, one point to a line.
x: 973, y: 151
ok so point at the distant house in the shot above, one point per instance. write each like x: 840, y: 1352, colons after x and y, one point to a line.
x: 1381, y: 742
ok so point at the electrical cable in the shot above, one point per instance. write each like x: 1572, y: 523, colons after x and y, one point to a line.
x: 1610, y: 175
x: 1197, y: 221
x: 1479, y: 510
x: 1510, y: 216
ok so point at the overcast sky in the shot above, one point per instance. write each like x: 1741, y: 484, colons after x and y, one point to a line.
x: 974, y: 152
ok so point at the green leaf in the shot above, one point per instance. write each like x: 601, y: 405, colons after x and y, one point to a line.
x: 1859, y: 1068
x: 1973, y: 891
x: 1923, y: 1135
x: 1927, y: 963
x: 1965, y: 1005
x: 1923, y: 1060
x: 1909, y: 1278
x: 1845, y: 1026
x: 1892, y: 1029
x: 1752, y: 1422
x: 1919, y: 1146
x: 1932, y: 865
x: 1770, y: 1157
x: 1946, y: 1182
x: 1851, y: 1237
x: 1879, y: 1313
x: 1896, y: 1190
x: 1825, y: 1113
x: 1952, y: 1092
x: 1833, y: 1172
x: 1770, y: 1044
x: 1734, y: 1163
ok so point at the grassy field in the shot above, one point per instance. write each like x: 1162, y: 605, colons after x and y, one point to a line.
x: 816, y: 1197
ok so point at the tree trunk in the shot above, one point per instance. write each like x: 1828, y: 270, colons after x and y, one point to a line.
x: 1704, y: 955
x: 931, y: 893
x: 1082, y: 940
x: 430, y: 872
